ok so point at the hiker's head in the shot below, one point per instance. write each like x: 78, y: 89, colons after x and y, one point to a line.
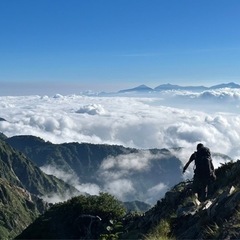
x: 200, y: 145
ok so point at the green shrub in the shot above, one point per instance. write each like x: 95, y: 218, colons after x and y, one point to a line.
x: 160, y: 232
x: 61, y: 221
x: 104, y: 205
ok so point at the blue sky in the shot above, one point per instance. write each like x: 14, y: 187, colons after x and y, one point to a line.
x: 74, y: 45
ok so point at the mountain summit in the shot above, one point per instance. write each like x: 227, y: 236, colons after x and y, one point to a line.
x: 141, y: 88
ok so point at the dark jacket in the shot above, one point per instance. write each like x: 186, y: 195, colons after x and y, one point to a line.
x: 203, y: 163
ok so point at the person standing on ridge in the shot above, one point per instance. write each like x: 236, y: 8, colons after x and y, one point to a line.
x: 203, y: 172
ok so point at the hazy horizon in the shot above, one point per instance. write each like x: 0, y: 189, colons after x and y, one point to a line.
x: 27, y: 89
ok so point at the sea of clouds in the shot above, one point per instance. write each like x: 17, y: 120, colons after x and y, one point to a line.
x: 156, y: 120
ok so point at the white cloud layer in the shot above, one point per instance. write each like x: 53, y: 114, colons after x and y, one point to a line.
x: 171, y: 119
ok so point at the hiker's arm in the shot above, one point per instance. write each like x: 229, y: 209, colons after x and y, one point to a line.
x: 211, y: 164
x: 192, y: 158
x: 210, y: 157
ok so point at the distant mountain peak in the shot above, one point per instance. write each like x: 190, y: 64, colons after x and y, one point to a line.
x: 140, y: 88
x: 226, y: 85
x: 143, y: 86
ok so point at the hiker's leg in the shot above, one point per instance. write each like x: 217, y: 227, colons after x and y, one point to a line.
x: 196, y: 187
x: 203, y: 192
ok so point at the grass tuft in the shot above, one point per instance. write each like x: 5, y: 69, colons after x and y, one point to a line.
x: 160, y: 232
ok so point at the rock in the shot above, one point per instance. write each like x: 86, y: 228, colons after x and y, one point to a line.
x: 189, y: 209
x: 233, y: 201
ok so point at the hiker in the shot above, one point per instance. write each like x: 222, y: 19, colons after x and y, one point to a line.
x: 203, y: 172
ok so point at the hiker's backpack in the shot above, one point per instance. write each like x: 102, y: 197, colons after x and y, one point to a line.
x: 203, y: 161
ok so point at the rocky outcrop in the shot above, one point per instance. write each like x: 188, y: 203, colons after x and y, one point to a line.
x: 22, y: 184
x: 16, y: 168
x: 18, y: 208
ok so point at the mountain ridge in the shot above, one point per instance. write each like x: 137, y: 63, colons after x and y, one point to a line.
x: 168, y: 86
x: 97, y: 164
x: 23, y: 172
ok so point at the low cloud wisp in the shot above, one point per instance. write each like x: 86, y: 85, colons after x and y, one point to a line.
x: 126, y: 176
